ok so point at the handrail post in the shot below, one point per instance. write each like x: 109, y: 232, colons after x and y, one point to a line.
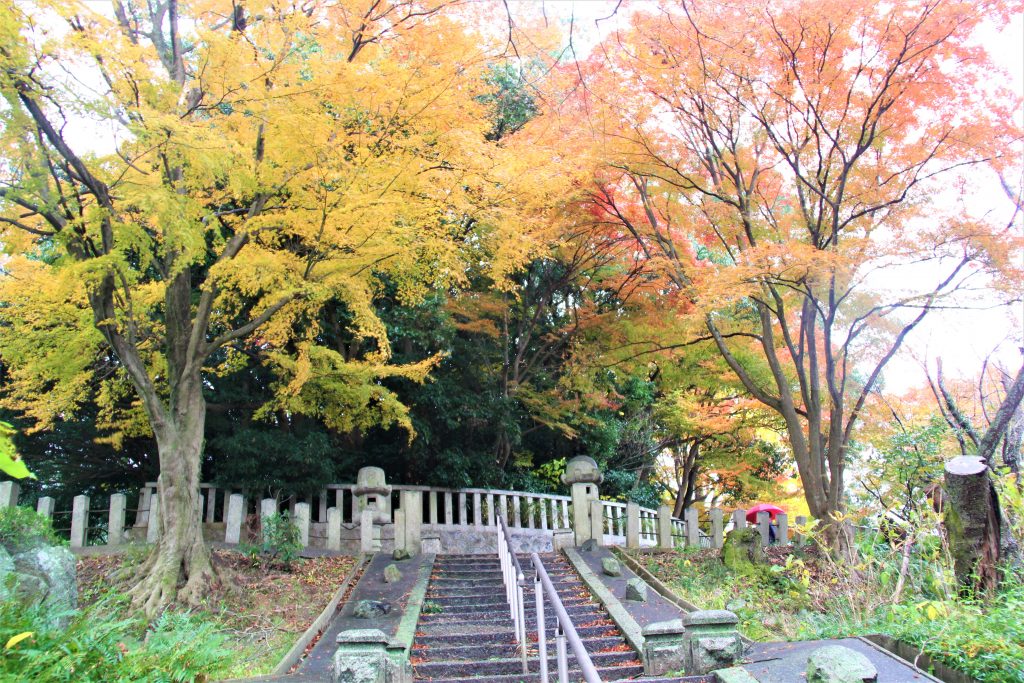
x: 521, y: 618
x: 562, y: 655
x: 542, y: 638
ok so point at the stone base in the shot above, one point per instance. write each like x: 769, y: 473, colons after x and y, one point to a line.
x: 664, y: 649
x: 712, y: 641
x: 362, y: 657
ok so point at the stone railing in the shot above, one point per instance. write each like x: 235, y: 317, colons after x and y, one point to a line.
x: 372, y: 515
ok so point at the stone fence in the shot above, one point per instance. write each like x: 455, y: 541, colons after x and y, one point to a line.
x: 374, y: 515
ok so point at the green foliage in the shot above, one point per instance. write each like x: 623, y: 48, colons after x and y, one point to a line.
x: 281, y: 542
x: 99, y: 648
x: 22, y: 527
x: 11, y: 463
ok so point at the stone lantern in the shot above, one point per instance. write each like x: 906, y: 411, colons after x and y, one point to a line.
x: 583, y: 474
x: 374, y: 493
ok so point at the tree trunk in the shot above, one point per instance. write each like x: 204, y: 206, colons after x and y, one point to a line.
x: 179, y: 568
x: 971, y: 521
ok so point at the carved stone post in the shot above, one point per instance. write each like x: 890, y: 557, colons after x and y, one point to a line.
x: 374, y: 496
x: 583, y: 475
x: 712, y: 641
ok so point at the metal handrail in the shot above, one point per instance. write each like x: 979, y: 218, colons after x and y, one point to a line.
x: 565, y: 631
x: 512, y: 576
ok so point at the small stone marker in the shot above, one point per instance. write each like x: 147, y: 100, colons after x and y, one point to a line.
x: 391, y: 574
x: 611, y: 567
x: 44, y: 506
x: 333, y: 528
x: 838, y: 664
x: 236, y: 511
x: 371, y: 609
x: 9, y: 494
x: 663, y: 650
x: 734, y: 674
x: 636, y: 590
x: 711, y: 641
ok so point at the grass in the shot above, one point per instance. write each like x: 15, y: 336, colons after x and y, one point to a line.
x: 805, y: 596
x: 257, y: 621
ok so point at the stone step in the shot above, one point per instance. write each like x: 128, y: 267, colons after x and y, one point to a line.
x: 497, y: 667
x: 481, y: 603
x: 578, y: 613
x: 502, y: 650
x: 505, y: 635
x: 618, y: 673
x: 471, y: 596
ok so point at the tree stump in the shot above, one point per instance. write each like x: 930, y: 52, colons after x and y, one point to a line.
x: 972, y: 522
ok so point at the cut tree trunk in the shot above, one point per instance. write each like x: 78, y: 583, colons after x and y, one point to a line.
x: 972, y: 522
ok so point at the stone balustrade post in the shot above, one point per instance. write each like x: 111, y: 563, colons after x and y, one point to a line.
x: 739, y: 519
x: 411, y: 504
x: 717, y: 528
x: 142, y: 513
x: 399, y: 517
x: 782, y: 533
x: 153, y: 523
x: 9, y: 491
x: 665, y: 541
x: 798, y: 537
x: 233, y: 523
x: 115, y: 522
x: 333, y: 529
x: 584, y: 477
x: 692, y: 528
x: 44, y: 506
x: 301, y: 520
x: 597, y: 521
x: 369, y: 532
x: 79, y: 521
x: 764, y: 521
x: 632, y: 525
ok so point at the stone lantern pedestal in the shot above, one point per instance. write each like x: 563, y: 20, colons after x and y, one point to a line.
x: 374, y: 497
x: 583, y: 475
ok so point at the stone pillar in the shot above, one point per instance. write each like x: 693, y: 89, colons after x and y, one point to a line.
x: 333, y: 529
x: 632, y: 525
x: 153, y: 525
x: 115, y: 523
x: 711, y: 641
x: 716, y: 527
x: 764, y: 521
x: 782, y: 533
x: 322, y: 512
x: 44, y: 506
x: 798, y: 538
x: 665, y: 528
x: 233, y: 522
x: 79, y: 521
x: 301, y: 520
x: 584, y: 478
x: 369, y: 533
x: 597, y: 521
x: 692, y: 528
x: 739, y: 519
x: 362, y: 657
x: 411, y: 503
x: 399, y: 517
x: 9, y: 494
x: 142, y: 514
x: 664, y: 650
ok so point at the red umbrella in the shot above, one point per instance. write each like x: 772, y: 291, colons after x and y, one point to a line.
x: 772, y: 510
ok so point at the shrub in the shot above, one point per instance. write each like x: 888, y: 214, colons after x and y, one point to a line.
x: 280, y: 542
x: 98, y: 647
x: 22, y: 527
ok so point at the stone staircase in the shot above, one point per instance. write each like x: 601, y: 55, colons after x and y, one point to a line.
x: 465, y: 633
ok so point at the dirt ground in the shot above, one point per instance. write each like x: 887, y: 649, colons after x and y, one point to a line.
x: 261, y: 610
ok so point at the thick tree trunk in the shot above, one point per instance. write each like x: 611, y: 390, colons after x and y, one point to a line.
x: 972, y: 522
x: 179, y: 568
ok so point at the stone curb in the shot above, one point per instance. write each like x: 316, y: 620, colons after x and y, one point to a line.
x: 661, y: 588
x: 626, y: 623
x: 406, y: 631
x: 295, y: 653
